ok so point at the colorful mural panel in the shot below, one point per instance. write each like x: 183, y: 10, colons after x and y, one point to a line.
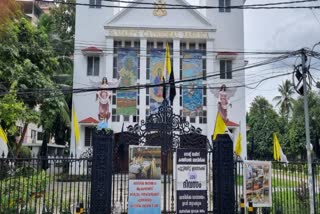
x: 157, y: 59
x: 128, y: 71
x: 192, y: 92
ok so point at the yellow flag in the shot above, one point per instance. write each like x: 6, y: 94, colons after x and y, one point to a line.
x: 220, y: 127
x: 238, y: 148
x: 168, y: 60
x: 276, y: 148
x: 3, y: 135
x: 75, y: 126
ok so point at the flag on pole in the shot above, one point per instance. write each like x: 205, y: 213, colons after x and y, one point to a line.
x: 167, y: 71
x: 164, y: 89
x: 3, y: 143
x: 238, y: 148
x: 3, y: 135
x: 172, y: 92
x: 167, y: 65
x: 278, y: 154
x: 220, y: 127
x: 75, y: 125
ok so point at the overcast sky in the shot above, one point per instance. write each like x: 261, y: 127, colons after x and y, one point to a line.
x: 290, y: 29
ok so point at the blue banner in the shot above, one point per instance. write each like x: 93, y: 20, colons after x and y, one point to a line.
x: 157, y: 60
x: 192, y: 93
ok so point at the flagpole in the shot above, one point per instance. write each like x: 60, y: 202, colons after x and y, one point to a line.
x: 75, y: 146
x: 240, y: 134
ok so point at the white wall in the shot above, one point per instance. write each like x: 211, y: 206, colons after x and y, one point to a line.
x: 229, y: 36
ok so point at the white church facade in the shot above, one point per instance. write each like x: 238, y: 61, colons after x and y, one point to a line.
x: 121, y: 48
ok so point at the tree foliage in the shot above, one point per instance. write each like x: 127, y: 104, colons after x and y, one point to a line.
x: 27, y: 58
x: 60, y: 27
x: 263, y: 122
x: 297, y: 134
x: 285, y: 99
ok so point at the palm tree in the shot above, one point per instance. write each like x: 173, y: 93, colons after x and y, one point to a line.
x: 285, y: 100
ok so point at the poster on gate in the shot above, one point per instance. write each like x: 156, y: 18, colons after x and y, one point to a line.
x: 257, y: 183
x: 144, y: 179
x: 191, y: 181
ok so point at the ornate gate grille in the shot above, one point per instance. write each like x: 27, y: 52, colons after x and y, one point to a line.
x: 164, y: 129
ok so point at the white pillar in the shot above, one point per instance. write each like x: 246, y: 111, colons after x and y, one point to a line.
x: 211, y: 99
x: 109, y: 72
x: 176, y: 70
x: 143, y: 76
x: 109, y: 58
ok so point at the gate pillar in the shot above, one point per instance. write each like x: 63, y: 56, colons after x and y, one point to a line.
x: 101, y: 175
x: 223, y: 175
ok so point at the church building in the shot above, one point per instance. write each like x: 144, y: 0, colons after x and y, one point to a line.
x: 122, y: 48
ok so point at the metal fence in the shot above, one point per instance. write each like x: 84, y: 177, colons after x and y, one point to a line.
x: 44, y: 185
x: 25, y: 187
x: 290, y: 190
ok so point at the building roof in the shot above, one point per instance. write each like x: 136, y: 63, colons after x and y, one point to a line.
x: 89, y: 120
x: 231, y: 124
x: 227, y: 55
x: 92, y: 50
x: 188, y: 20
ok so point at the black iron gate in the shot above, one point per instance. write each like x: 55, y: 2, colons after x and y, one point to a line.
x: 164, y: 129
x: 169, y: 131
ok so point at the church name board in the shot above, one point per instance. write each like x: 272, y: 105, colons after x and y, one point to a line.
x: 158, y: 34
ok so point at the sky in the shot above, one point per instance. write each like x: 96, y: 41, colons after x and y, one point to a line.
x: 271, y: 30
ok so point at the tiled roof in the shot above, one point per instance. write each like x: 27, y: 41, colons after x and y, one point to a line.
x: 89, y: 120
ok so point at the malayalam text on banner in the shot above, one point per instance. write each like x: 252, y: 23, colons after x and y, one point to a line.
x: 144, y: 179
x: 191, y: 181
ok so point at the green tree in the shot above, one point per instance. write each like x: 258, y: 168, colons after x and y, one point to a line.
x: 297, y: 134
x: 60, y: 27
x: 27, y: 58
x: 263, y: 122
x: 285, y: 99
x: 11, y: 110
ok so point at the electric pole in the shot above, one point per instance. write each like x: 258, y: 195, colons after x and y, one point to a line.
x: 306, y: 116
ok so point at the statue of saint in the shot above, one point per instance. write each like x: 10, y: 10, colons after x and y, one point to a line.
x: 223, y: 95
x: 104, y: 97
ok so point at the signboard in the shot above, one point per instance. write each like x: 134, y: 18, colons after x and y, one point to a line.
x: 257, y: 183
x: 144, y: 179
x: 191, y: 181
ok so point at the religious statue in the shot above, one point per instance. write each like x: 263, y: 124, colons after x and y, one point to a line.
x: 223, y: 96
x: 104, y: 97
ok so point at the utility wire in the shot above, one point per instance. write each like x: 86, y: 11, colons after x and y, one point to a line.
x: 138, y: 49
x: 206, y: 7
x: 82, y: 90
x: 242, y: 7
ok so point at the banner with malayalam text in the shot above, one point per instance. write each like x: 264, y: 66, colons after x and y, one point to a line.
x: 144, y: 179
x: 192, y: 181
